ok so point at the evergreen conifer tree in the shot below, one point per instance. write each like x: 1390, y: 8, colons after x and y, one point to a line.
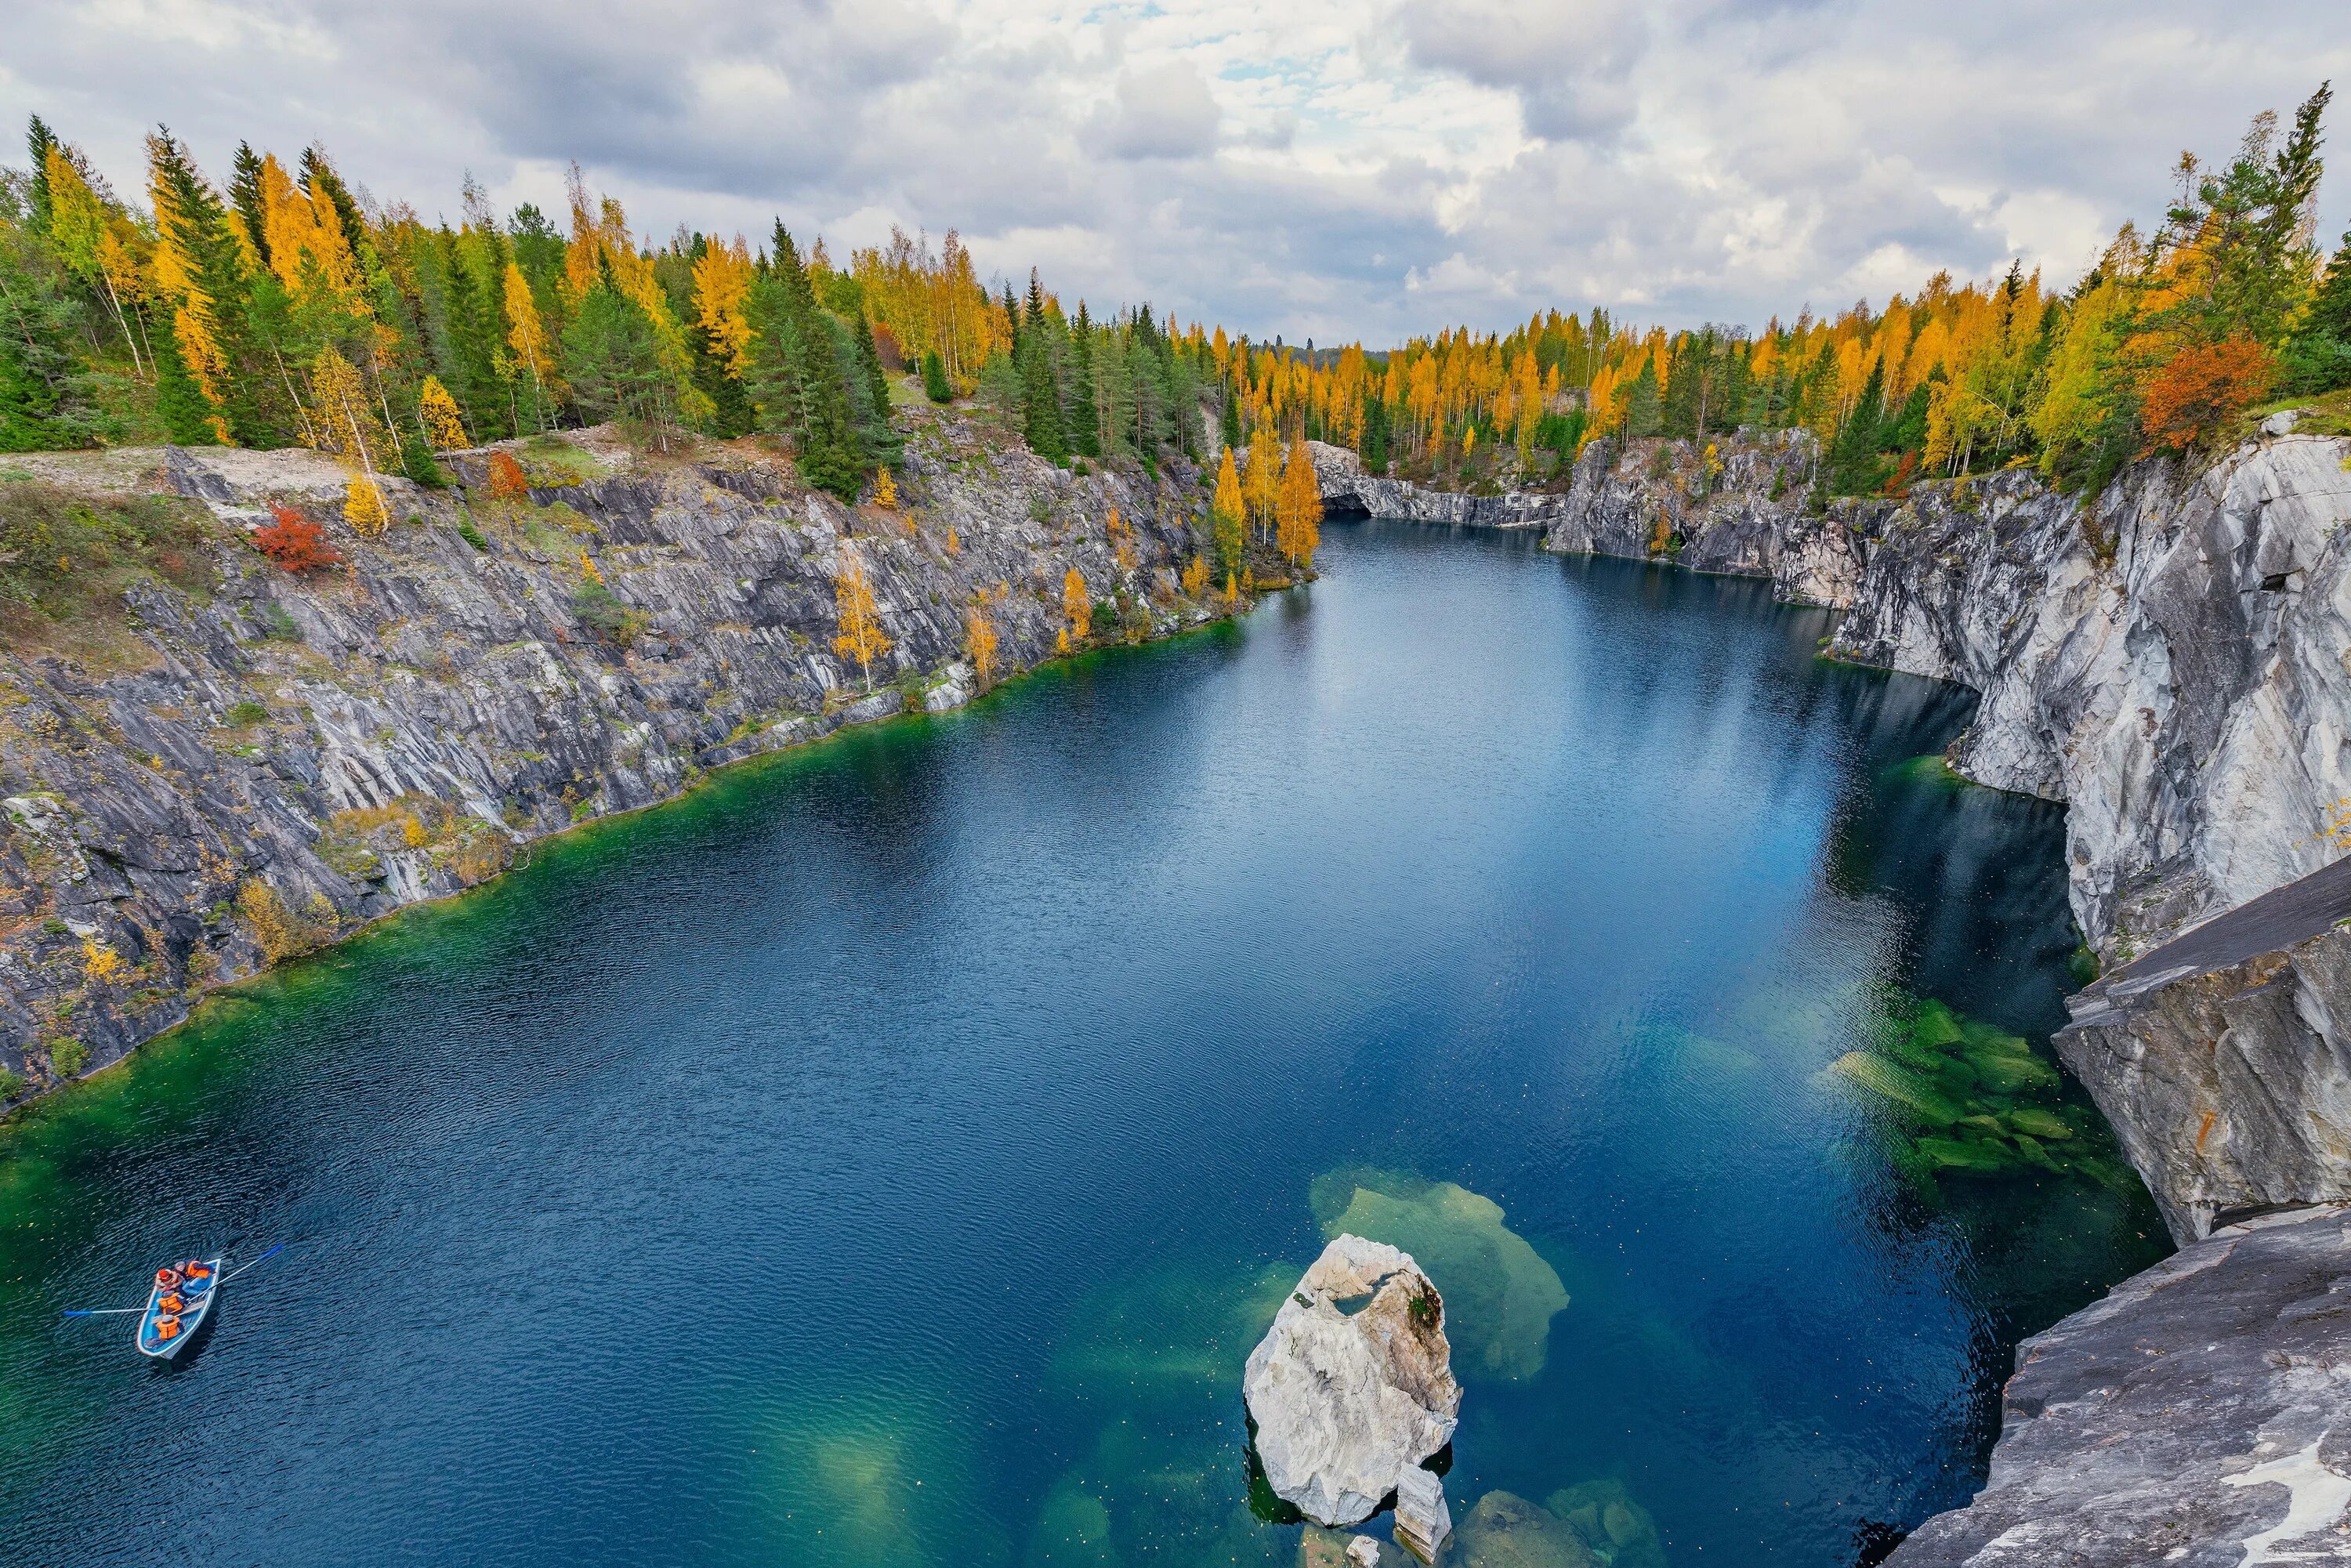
x: 472, y: 339
x: 829, y: 457
x: 1644, y: 412
x: 1040, y: 393
x: 244, y: 195
x: 2319, y: 358
x: 1084, y: 427
x: 38, y: 139
x: 193, y: 222
x: 180, y: 407
x: 934, y: 378
x: 883, y: 448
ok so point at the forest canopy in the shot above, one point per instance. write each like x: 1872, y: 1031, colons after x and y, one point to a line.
x: 283, y: 305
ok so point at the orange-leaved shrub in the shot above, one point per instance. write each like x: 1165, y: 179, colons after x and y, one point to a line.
x: 294, y: 542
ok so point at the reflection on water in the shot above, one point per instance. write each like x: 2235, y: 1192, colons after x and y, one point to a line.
x: 892, y: 1152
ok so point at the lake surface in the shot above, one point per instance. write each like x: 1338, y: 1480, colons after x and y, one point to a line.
x: 891, y: 1153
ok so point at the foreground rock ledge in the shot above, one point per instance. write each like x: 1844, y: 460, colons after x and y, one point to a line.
x: 1346, y: 1402
x: 2200, y: 1414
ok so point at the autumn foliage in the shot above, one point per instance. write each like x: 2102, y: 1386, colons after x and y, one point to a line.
x: 507, y: 481
x: 364, y: 508
x: 2198, y: 390
x: 861, y: 637
x: 438, y: 410
x: 294, y: 542
x: 979, y: 640
x: 1077, y: 604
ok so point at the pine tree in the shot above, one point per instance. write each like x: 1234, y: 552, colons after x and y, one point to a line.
x: 2318, y: 360
x: 244, y: 196
x: 1644, y: 411
x: 198, y: 274
x: 934, y: 378
x: 611, y: 363
x: 42, y: 397
x: 1041, y: 396
x: 1229, y: 426
x: 829, y: 457
x: 39, y: 140
x: 1078, y: 416
x: 187, y: 415
x: 882, y: 440
x: 473, y: 335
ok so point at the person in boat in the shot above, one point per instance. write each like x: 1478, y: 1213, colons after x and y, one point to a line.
x: 197, y: 1276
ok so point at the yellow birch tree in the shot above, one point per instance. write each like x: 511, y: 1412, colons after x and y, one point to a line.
x: 861, y: 637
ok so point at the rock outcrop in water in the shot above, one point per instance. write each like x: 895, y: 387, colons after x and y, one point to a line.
x: 1353, y: 1386
x: 256, y: 770
x: 2200, y: 1414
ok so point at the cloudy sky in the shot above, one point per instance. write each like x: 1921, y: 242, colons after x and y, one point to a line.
x: 1332, y: 169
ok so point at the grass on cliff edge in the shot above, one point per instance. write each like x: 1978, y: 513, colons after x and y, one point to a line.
x: 65, y: 559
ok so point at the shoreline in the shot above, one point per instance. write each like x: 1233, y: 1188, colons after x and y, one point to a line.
x: 228, y: 992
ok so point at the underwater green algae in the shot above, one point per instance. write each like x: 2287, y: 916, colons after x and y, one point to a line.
x: 1499, y: 1294
x: 1972, y: 1099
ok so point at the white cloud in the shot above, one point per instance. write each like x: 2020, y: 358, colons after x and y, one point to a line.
x: 1161, y: 111
x: 1318, y: 169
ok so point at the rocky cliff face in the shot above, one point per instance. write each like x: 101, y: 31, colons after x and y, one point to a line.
x: 2172, y: 665
x: 2195, y: 1415
x: 268, y: 765
x: 2224, y: 1058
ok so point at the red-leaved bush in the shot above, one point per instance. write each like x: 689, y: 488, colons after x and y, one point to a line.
x: 507, y: 481
x: 294, y: 542
x: 2200, y: 389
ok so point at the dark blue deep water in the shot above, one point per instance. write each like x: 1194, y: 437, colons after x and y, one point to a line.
x: 890, y: 1154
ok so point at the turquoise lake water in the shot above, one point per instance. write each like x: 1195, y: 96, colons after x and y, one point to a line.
x: 891, y: 1153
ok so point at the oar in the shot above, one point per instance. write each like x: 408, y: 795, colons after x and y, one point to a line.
x: 241, y: 1268
x: 103, y: 1312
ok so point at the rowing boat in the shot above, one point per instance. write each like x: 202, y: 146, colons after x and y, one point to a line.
x: 177, y: 1306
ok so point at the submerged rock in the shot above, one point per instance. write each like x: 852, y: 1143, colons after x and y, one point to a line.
x: 1603, y: 1514
x: 1499, y: 1293
x: 1505, y: 1531
x: 1347, y: 1402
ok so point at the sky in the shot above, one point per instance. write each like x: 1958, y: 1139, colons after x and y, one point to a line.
x: 1333, y: 170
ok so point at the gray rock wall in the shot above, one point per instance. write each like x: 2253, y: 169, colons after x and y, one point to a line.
x: 410, y: 720
x: 2176, y: 667
x: 2196, y: 1417
x: 2223, y: 1058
